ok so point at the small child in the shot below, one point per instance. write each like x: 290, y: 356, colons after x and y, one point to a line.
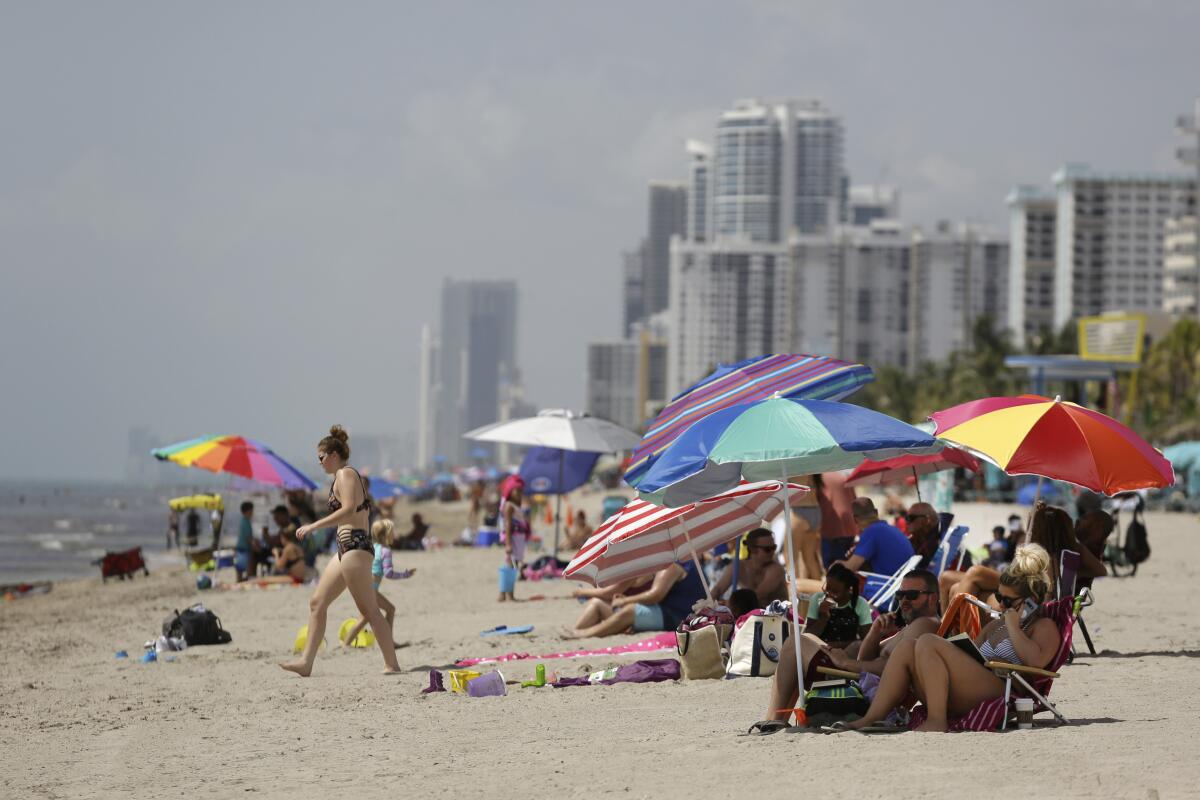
x: 381, y: 534
x: 997, y: 548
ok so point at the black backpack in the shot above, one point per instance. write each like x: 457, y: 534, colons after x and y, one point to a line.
x: 1137, y: 543
x: 196, y: 625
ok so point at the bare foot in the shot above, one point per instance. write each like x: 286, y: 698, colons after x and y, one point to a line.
x: 931, y: 726
x: 392, y: 671
x: 569, y: 633
x: 298, y: 667
x: 501, y: 598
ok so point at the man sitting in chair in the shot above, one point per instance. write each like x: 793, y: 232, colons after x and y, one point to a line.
x: 918, y: 615
x: 882, y: 548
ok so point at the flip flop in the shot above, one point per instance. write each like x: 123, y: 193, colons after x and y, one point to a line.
x: 505, y: 630
x: 766, y: 727
x: 883, y: 727
x: 838, y: 727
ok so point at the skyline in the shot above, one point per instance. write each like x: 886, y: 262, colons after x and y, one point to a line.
x: 202, y: 218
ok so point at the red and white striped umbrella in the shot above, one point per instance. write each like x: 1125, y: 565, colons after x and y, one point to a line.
x: 642, y: 538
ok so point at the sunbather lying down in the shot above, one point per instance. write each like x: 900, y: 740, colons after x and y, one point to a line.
x: 918, y: 615
x: 660, y: 607
x: 948, y: 680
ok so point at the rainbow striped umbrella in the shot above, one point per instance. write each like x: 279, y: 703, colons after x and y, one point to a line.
x: 802, y: 376
x: 235, y: 455
x: 1034, y: 435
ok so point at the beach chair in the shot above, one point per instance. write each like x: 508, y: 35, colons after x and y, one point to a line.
x: 949, y: 552
x: 881, y: 589
x: 1030, y: 682
x: 1068, y: 572
x: 123, y: 564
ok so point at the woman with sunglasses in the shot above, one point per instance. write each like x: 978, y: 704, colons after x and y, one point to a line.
x: 949, y: 681
x: 348, y: 510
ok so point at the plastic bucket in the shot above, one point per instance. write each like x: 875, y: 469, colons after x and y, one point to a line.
x: 489, y: 685
x: 508, y: 578
x: 460, y: 678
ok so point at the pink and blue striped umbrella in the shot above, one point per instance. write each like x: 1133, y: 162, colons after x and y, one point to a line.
x: 788, y: 375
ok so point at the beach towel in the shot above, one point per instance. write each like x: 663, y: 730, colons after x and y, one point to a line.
x: 653, y: 671
x: 962, y: 616
x: 660, y: 641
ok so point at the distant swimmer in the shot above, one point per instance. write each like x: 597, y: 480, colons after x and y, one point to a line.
x: 348, y: 510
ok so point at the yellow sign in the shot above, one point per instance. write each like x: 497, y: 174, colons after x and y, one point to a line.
x: 1112, y: 337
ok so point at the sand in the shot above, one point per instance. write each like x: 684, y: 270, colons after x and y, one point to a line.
x: 226, y: 720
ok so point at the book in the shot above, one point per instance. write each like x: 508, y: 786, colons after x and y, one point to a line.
x: 963, y: 642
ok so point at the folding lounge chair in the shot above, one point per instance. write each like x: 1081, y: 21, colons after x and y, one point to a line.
x: 949, y: 553
x: 1031, y: 682
x: 1068, y: 571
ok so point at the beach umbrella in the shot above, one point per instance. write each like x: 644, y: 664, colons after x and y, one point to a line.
x: 561, y: 429
x: 788, y: 375
x: 380, y: 488
x: 208, y: 502
x: 772, y: 439
x: 1034, y: 435
x: 548, y: 470
x: 901, y: 468
x: 1185, y: 460
x: 643, y: 538
x: 236, y: 455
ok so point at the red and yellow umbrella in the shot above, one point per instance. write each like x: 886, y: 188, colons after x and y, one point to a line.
x: 1033, y: 435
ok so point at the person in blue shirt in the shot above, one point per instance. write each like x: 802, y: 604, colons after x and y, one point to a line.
x: 882, y: 548
x: 245, y: 558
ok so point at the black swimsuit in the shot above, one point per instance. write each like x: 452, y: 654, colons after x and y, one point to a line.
x: 352, y: 538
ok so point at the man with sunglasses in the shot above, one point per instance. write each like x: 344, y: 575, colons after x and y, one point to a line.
x: 918, y: 615
x: 922, y: 530
x: 761, y: 571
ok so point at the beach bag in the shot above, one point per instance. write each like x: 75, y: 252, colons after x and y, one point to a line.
x: 700, y: 653
x: 720, y: 617
x: 1137, y: 543
x: 757, y: 645
x: 838, y: 698
x: 196, y: 625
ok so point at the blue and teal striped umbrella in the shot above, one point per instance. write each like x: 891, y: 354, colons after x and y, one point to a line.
x: 774, y: 438
x: 785, y: 374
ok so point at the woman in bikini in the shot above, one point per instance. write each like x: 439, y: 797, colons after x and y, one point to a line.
x: 348, y: 508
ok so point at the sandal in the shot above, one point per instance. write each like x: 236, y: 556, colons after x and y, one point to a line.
x: 841, y: 726
x: 766, y: 727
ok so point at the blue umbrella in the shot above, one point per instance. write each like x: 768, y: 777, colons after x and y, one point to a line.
x: 381, y: 488
x: 773, y: 439
x: 548, y: 470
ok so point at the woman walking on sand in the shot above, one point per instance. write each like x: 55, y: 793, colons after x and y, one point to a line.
x: 348, y: 509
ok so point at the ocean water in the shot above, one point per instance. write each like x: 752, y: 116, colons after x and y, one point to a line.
x: 53, y: 531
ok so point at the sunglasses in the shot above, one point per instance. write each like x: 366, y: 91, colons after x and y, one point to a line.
x: 1008, y: 602
x: 912, y: 594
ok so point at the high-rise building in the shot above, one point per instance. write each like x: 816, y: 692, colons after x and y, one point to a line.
x: 1109, y: 239
x: 1181, y: 280
x: 1032, y: 216
x: 427, y: 397
x: 865, y: 204
x: 612, y: 382
x: 728, y: 302
x: 476, y: 355
x: 958, y: 276
x: 667, y: 218
x: 699, y: 190
x: 778, y: 168
x: 633, y: 307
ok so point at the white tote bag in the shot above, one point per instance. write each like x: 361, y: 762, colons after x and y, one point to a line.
x: 757, y: 645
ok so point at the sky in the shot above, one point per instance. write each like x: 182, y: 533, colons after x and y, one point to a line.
x: 235, y: 217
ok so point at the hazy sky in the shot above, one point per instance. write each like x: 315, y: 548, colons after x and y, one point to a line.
x: 234, y: 217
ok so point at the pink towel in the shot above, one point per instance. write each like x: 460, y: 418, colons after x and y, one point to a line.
x: 660, y: 641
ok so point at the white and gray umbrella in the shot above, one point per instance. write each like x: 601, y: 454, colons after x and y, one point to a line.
x: 562, y: 429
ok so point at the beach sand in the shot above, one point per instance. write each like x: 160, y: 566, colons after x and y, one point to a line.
x: 226, y: 720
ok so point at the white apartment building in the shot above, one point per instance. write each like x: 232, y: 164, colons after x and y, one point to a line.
x: 699, y: 190
x: 1032, y: 215
x: 958, y: 275
x: 867, y: 203
x: 1109, y: 239
x: 777, y: 168
x: 1181, y: 278
x: 728, y: 302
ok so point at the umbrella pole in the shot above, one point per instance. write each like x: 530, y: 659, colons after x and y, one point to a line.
x: 917, y: 484
x: 558, y: 503
x: 791, y: 580
x: 699, y: 570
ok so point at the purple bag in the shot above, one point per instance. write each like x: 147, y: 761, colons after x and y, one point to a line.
x: 650, y: 671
